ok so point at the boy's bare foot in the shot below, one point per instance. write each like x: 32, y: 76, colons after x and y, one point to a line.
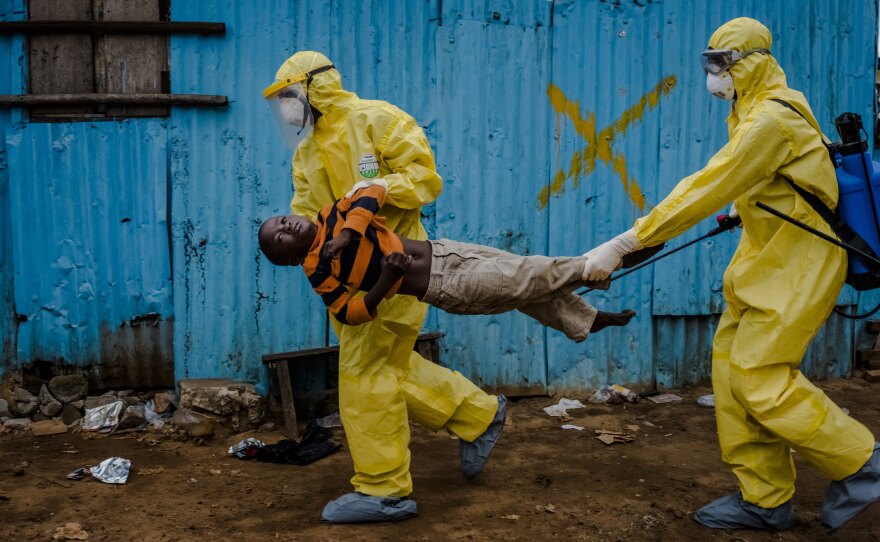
x: 606, y: 319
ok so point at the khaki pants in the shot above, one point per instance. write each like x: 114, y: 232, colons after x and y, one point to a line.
x: 475, y: 279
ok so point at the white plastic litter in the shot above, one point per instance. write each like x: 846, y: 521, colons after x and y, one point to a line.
x: 104, y: 418
x: 664, y: 398
x: 559, y: 409
x: 113, y: 470
x: 707, y: 400
x: 572, y: 426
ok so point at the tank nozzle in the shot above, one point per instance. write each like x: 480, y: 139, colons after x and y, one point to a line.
x: 849, y: 126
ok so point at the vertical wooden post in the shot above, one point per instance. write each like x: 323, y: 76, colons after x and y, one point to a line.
x: 282, y: 373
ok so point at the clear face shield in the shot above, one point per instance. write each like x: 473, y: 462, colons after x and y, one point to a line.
x: 292, y: 113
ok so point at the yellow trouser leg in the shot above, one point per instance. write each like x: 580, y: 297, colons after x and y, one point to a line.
x: 759, y: 459
x: 382, y: 381
x: 767, y: 405
x: 438, y: 398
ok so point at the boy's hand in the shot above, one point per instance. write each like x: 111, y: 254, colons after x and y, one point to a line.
x: 395, y: 264
x: 334, y: 246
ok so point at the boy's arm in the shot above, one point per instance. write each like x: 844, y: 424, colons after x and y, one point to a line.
x: 352, y: 310
x: 394, y: 266
x: 360, y: 206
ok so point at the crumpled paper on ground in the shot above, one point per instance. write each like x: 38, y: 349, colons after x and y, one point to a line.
x: 559, y: 409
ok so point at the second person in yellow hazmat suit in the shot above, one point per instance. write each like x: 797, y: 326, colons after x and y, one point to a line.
x: 780, y: 287
x: 343, y: 142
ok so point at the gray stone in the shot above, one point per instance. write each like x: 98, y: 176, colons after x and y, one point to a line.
x: 27, y: 409
x: 237, y: 402
x: 17, y: 423
x: 124, y: 393
x: 133, y: 416
x: 162, y: 401
x: 69, y: 388
x: 70, y: 414
x: 24, y: 396
x: 195, y: 424
x: 81, y: 404
x: 49, y: 405
x: 4, y: 408
x: 99, y: 400
x: 132, y: 401
x: 40, y: 417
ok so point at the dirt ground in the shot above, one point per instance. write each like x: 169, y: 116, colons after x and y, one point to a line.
x: 542, y: 483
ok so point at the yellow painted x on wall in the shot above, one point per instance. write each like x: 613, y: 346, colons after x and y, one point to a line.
x: 583, y: 162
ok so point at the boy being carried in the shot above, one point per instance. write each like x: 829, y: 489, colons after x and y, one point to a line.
x: 350, y: 247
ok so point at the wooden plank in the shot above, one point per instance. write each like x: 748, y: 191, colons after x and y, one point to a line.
x: 867, y: 356
x: 61, y: 62
x: 282, y: 373
x: 170, y: 99
x: 71, y: 26
x: 873, y: 326
x: 872, y: 375
x: 126, y: 64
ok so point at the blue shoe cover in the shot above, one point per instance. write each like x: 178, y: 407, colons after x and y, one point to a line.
x: 851, y: 496
x: 732, y: 512
x: 474, y: 454
x: 359, y: 508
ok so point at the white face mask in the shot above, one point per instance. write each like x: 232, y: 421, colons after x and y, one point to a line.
x: 720, y: 85
x: 293, y: 111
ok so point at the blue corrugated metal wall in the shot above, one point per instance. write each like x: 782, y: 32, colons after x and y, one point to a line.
x: 554, y: 124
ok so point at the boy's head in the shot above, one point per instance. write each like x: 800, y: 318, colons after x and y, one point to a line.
x: 286, y: 240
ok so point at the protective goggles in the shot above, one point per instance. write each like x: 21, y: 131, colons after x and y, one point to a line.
x: 715, y: 61
x: 289, y: 103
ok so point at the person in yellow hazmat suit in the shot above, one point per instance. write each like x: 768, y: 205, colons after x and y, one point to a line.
x: 780, y: 287
x: 341, y: 143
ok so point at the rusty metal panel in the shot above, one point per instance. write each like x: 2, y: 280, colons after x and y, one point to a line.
x: 490, y: 164
x: 229, y: 170
x: 607, y: 88
x: 10, y: 10
x: 90, y: 247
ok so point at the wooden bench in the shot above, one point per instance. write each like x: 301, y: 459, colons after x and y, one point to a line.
x: 279, y: 365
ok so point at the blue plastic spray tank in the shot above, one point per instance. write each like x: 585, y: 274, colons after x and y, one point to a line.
x: 858, y: 180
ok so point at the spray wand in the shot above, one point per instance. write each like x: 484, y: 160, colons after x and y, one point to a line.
x: 725, y: 223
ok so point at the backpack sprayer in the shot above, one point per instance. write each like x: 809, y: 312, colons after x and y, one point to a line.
x: 856, y: 221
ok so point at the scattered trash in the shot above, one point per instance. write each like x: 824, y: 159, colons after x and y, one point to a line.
x: 192, y: 481
x: 152, y: 416
x: 550, y: 508
x: 19, y: 468
x: 560, y: 408
x: 317, y: 442
x: 571, y: 426
x: 246, y: 449
x: 70, y: 531
x: 845, y: 411
x: 634, y: 428
x: 330, y: 421
x: 664, y: 398
x: 649, y: 424
x: 78, y: 474
x: 146, y: 471
x: 510, y: 516
x: 103, y: 418
x: 612, y: 437
x: 706, y: 400
x: 48, y: 427
x: 613, y: 394
x: 113, y: 470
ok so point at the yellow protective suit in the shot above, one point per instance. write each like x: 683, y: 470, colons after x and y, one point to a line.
x: 780, y: 286
x: 381, y: 379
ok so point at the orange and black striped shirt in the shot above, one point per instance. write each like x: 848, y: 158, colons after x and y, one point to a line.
x: 359, y: 264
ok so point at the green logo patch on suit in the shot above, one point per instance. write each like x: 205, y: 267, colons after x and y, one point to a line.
x: 368, y: 166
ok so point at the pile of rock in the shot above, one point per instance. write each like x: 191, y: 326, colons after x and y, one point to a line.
x: 65, y: 399
x: 203, y: 404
